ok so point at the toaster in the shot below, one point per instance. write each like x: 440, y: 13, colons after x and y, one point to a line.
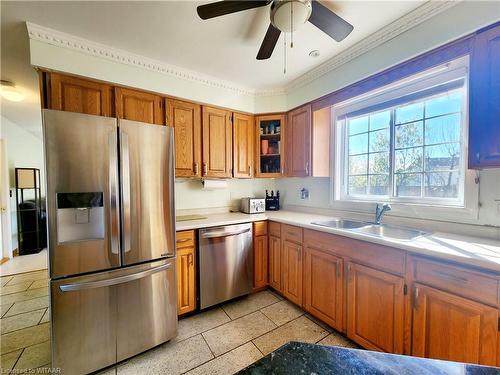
x: 252, y: 205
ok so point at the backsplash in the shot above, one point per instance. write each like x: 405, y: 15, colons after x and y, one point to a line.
x: 189, y: 193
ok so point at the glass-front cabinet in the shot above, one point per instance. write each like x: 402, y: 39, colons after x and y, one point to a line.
x: 270, y: 145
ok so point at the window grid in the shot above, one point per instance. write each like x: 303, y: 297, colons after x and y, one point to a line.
x: 424, y: 168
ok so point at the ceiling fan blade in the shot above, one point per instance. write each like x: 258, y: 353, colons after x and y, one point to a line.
x: 328, y: 22
x: 221, y: 8
x: 269, y: 42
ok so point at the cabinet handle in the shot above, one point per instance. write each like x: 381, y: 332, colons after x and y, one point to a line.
x: 307, y: 168
x: 337, y: 266
x: 180, y: 240
x: 299, y: 253
x: 190, y: 259
x: 205, y: 169
x: 445, y: 275
x: 249, y: 170
x: 196, y: 168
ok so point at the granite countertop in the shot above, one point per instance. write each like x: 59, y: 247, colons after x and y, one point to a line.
x: 480, y: 252
x: 302, y: 358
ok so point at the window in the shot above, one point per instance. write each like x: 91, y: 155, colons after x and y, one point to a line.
x: 406, y: 144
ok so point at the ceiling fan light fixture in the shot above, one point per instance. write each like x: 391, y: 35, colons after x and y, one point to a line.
x: 9, y: 91
x: 287, y: 21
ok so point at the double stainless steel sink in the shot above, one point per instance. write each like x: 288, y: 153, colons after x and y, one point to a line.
x: 371, y: 229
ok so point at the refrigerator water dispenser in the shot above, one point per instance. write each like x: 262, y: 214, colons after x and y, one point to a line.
x: 80, y: 216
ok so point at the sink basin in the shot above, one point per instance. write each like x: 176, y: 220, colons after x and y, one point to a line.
x: 390, y: 231
x: 341, y: 224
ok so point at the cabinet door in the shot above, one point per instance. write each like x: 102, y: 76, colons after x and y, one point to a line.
x: 292, y: 271
x: 275, y: 277
x: 217, y: 142
x: 449, y: 327
x: 298, y: 142
x: 185, y: 117
x: 484, y: 99
x: 79, y: 95
x: 375, y: 309
x: 260, y: 248
x: 186, y: 281
x: 323, y: 286
x: 243, y: 145
x: 140, y: 106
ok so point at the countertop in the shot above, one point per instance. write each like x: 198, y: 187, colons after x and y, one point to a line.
x: 302, y: 358
x: 480, y: 252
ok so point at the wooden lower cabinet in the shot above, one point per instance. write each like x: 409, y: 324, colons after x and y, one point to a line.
x: 375, y: 308
x: 292, y: 271
x: 186, y: 272
x: 261, y: 255
x: 323, y: 286
x: 446, y: 326
x: 275, y: 275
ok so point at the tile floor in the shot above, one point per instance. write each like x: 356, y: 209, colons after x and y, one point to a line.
x: 24, y: 321
x: 25, y: 263
x: 222, y: 340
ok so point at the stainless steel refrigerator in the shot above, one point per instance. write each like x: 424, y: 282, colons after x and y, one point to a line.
x: 111, y: 220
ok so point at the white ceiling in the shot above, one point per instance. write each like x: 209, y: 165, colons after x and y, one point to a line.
x: 171, y: 32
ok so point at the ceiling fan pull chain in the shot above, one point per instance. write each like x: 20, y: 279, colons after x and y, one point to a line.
x: 284, y: 52
x: 291, y: 24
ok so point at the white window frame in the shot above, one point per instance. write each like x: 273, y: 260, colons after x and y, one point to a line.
x: 466, y: 207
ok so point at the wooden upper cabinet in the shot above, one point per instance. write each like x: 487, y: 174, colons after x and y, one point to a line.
x: 79, y: 95
x: 270, y: 145
x: 323, y: 286
x: 449, y: 327
x: 484, y: 96
x: 375, y: 308
x: 138, y: 105
x: 320, y: 148
x: 275, y: 274
x: 217, y: 143
x: 185, y: 117
x: 243, y: 145
x: 298, y: 142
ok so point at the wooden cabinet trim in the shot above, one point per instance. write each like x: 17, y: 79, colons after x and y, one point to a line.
x: 291, y: 233
x: 275, y: 229
x: 138, y: 114
x: 260, y: 228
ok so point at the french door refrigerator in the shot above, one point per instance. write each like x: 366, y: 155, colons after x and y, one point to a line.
x: 111, y: 222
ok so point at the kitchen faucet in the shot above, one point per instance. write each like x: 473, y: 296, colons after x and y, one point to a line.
x: 379, y: 211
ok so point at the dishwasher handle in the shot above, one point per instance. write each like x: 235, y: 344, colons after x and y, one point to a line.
x: 224, y: 233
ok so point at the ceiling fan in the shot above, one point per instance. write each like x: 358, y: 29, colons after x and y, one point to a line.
x: 286, y: 16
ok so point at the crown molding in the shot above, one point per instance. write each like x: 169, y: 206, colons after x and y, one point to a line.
x: 61, y: 39
x: 401, y: 25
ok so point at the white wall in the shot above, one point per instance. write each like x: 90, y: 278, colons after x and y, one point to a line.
x: 190, y: 195
x: 23, y: 149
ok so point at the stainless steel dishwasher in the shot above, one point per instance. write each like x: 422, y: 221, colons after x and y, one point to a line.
x: 226, y: 263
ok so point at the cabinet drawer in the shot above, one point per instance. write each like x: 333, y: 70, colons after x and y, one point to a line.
x: 275, y: 229
x: 260, y: 228
x: 185, y: 239
x: 291, y: 233
x: 457, y: 280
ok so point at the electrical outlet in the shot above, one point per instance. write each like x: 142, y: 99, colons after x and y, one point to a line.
x: 304, y: 193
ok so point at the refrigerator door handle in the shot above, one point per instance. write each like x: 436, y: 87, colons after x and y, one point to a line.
x: 125, y: 169
x: 113, y: 281
x: 114, y: 218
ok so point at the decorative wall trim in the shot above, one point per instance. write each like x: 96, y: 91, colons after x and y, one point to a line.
x: 410, y: 20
